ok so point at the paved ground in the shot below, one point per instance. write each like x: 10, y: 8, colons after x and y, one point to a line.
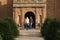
x: 31, y: 34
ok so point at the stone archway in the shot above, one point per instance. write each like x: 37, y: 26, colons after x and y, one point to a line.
x: 31, y: 14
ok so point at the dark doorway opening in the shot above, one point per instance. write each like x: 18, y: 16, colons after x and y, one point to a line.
x: 31, y: 14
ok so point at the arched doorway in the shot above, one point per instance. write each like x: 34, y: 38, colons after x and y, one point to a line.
x: 31, y: 14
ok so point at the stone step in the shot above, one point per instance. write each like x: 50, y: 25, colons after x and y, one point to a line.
x: 29, y: 38
x: 30, y: 32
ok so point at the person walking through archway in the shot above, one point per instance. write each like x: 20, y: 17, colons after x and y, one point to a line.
x: 27, y: 23
x: 31, y: 22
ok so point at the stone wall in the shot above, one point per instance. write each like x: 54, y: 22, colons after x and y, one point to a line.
x: 57, y: 8
x: 50, y: 8
x: 6, y: 8
x: 53, y: 8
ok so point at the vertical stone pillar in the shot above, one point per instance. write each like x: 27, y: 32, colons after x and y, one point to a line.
x: 43, y: 13
x: 40, y: 15
x: 37, y: 17
x: 22, y: 18
x: 17, y: 15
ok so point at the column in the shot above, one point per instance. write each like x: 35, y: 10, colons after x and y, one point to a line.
x: 43, y: 14
x: 22, y: 17
x: 37, y: 17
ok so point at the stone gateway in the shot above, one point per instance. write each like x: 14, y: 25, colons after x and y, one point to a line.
x: 26, y: 8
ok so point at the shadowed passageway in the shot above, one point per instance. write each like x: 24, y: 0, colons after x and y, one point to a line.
x: 31, y: 14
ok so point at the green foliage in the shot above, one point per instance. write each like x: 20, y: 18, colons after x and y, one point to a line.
x: 8, y: 29
x: 0, y: 37
x: 51, y: 29
x: 5, y: 31
x: 12, y: 26
x: 45, y: 26
x: 58, y: 31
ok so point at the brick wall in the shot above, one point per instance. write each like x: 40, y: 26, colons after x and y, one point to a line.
x: 57, y: 9
x: 50, y: 8
x: 53, y: 8
x: 6, y: 8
